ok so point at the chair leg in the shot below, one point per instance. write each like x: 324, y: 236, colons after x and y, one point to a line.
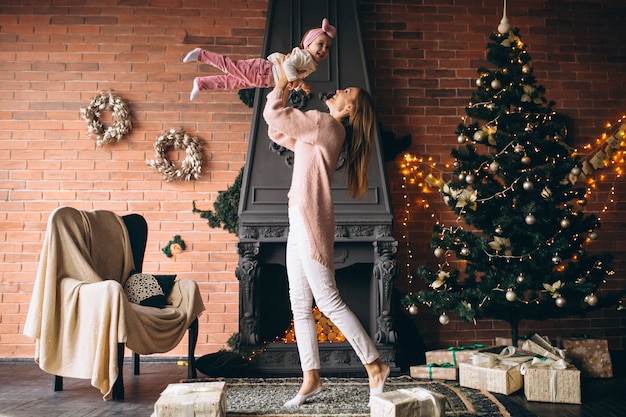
x: 58, y: 383
x: 118, y: 386
x: 191, y: 360
x: 135, y: 363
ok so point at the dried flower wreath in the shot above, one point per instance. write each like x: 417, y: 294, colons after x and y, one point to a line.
x: 122, y: 124
x: 190, y: 167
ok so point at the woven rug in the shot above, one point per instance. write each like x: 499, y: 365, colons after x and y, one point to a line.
x: 343, y: 397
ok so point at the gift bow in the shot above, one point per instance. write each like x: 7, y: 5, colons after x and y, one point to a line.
x: 454, y: 349
x: 508, y: 356
x: 437, y: 365
x: 553, y: 365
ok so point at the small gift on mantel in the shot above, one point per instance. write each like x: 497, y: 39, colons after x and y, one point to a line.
x: 494, y: 372
x: 542, y: 346
x: 195, y: 399
x: 547, y: 380
x: 431, y: 371
x: 452, y: 354
x: 413, y: 402
x: 590, y: 355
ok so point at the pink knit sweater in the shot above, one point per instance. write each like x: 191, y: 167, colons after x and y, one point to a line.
x: 316, y: 139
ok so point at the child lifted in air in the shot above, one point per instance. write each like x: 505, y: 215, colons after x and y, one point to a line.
x: 259, y: 72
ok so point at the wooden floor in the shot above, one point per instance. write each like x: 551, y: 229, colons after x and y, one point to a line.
x: 26, y: 391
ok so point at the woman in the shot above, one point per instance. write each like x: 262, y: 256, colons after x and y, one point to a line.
x: 317, y: 138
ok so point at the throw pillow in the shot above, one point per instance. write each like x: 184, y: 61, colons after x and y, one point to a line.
x: 149, y: 290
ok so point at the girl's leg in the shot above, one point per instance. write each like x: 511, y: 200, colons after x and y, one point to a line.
x: 256, y: 71
x: 217, y: 82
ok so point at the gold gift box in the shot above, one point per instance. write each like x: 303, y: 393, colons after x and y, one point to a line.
x: 453, y: 355
x: 591, y: 356
x: 198, y: 399
x: 501, y: 376
x: 408, y: 402
x: 545, y: 384
x: 435, y: 371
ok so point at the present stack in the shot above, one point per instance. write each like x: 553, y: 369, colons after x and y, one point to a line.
x: 590, y: 355
x: 444, y: 363
x: 416, y: 401
x: 200, y: 399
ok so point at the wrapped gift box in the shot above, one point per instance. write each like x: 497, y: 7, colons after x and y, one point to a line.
x: 591, y: 356
x: 542, y: 346
x: 551, y: 381
x: 492, y: 372
x: 506, y: 341
x: 199, y: 399
x: 445, y: 371
x: 409, y: 402
x: 453, y: 354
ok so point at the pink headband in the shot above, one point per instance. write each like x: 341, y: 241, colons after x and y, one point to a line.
x: 326, y: 28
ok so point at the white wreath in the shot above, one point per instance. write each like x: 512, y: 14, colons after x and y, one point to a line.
x: 107, y: 101
x: 190, y: 167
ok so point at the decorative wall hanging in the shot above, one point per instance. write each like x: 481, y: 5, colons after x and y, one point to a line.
x: 122, y: 124
x: 190, y: 167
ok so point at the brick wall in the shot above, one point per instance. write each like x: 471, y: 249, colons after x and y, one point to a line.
x: 55, y: 55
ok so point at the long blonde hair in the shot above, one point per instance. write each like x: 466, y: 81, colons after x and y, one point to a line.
x: 359, y: 137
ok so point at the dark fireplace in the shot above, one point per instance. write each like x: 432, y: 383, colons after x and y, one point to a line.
x: 364, y: 246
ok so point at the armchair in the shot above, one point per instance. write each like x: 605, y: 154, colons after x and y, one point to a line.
x: 80, y: 315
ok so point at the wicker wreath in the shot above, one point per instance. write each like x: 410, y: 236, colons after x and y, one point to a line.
x: 107, y: 101
x: 190, y: 167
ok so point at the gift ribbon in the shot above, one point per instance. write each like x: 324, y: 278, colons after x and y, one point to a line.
x: 454, y: 349
x: 544, y: 343
x: 508, y: 356
x: 437, y: 365
x: 553, y: 365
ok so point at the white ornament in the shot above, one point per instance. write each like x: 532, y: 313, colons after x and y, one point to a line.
x: 527, y: 185
x: 504, y: 26
x: 444, y: 319
x: 511, y: 296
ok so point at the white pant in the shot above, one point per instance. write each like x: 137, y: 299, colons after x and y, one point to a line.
x: 308, y: 281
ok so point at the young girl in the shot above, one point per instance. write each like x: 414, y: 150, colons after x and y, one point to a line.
x: 259, y: 72
x: 317, y: 138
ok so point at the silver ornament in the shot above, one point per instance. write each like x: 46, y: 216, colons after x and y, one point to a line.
x: 575, y: 171
x: 591, y: 299
x: 525, y: 69
x: 593, y: 235
x: 465, y: 251
x: 413, y: 310
x: 494, y: 166
x: 444, y: 319
x: 469, y: 178
x: 499, y: 230
x: 525, y: 160
x: 496, y: 84
x: 520, y: 278
x: 439, y: 252
x: 461, y: 138
x: 527, y: 185
x: 530, y: 220
x: 565, y: 223
x: 556, y: 259
x: 560, y: 301
x: 510, y: 296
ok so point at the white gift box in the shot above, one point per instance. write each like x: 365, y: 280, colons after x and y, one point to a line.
x: 408, y: 402
x: 198, y: 399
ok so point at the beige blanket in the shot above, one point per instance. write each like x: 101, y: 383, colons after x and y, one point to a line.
x: 79, y: 311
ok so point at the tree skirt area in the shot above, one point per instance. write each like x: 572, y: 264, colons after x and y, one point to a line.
x: 348, y: 397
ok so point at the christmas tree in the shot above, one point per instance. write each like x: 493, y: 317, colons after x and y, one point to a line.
x: 518, y: 248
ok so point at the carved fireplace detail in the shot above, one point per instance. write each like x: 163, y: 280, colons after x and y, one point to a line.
x: 364, y: 246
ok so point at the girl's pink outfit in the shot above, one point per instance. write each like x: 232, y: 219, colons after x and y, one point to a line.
x: 245, y: 73
x: 316, y: 138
